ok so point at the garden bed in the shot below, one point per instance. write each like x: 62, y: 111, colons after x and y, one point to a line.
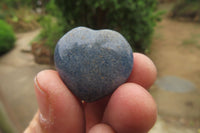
x: 42, y: 53
x: 187, y: 11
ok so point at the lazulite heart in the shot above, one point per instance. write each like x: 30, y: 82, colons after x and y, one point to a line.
x: 93, y: 63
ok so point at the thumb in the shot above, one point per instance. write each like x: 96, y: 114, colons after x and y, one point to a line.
x: 59, y: 110
x: 34, y: 126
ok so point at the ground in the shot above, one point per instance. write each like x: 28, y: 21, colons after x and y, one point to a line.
x: 175, y: 51
x: 17, y: 70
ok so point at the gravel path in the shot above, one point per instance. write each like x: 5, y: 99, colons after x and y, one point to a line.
x: 175, y: 52
x: 17, y: 70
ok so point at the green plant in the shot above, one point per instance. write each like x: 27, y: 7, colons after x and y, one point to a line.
x: 189, y: 9
x: 52, y: 24
x: 7, y: 37
x: 51, y: 8
x: 135, y: 19
x: 190, y: 41
x: 6, y: 125
x: 17, y: 3
x: 51, y: 31
x: 193, y: 40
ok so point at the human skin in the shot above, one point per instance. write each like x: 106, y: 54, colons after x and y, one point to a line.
x: 130, y: 109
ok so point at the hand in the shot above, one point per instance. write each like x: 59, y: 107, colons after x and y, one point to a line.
x: 130, y: 109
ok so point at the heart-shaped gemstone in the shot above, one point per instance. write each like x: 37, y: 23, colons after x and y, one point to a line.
x: 93, y: 63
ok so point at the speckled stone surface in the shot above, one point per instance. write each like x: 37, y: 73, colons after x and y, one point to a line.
x: 93, y: 63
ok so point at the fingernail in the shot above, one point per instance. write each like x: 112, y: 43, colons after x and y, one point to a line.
x: 43, y: 102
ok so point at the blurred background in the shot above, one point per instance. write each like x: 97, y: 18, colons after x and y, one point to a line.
x: 167, y: 31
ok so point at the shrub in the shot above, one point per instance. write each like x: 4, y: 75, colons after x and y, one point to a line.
x: 7, y: 37
x: 52, y: 29
x: 17, y: 3
x: 135, y: 19
x: 19, y: 14
x: 6, y: 125
x: 51, y: 8
x: 187, y: 9
x: 23, y: 19
x: 51, y: 32
x: 52, y: 26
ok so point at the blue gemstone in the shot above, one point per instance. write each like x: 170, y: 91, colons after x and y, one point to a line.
x: 93, y: 63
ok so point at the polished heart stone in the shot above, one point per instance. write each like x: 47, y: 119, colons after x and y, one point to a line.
x: 93, y: 63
